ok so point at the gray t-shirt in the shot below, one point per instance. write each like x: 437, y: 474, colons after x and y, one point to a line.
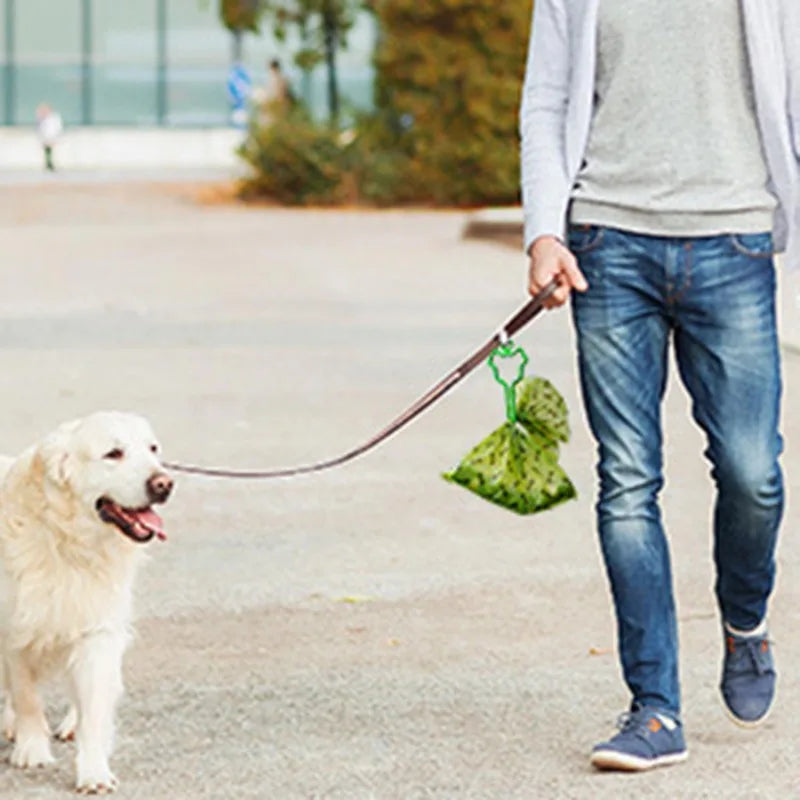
x: 674, y: 147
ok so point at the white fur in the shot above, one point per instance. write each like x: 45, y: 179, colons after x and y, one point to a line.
x: 66, y: 581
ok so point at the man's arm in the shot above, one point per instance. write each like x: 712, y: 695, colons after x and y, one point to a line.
x: 545, y: 180
x: 791, y: 41
x: 542, y: 119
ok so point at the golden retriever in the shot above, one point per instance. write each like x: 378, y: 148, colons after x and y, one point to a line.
x: 75, y: 512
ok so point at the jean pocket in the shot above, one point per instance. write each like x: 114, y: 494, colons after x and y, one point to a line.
x: 584, y: 238
x: 755, y: 245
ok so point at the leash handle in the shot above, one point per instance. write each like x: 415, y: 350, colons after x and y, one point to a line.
x: 515, y: 324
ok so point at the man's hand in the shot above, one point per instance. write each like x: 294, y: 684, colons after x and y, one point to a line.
x: 549, y: 259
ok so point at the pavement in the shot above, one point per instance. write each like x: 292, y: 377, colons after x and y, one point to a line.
x: 370, y: 633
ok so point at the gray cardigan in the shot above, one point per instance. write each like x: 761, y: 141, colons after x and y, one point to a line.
x: 557, y: 103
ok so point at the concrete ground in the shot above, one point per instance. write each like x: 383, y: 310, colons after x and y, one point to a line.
x: 371, y: 632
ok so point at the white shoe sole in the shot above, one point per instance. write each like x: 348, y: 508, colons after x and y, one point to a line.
x: 625, y: 762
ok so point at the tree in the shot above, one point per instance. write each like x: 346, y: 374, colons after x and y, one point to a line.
x: 450, y: 73
x: 239, y: 17
x: 444, y: 131
x: 323, y: 26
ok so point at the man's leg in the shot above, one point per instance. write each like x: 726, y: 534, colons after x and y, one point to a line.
x: 727, y: 348
x: 623, y: 337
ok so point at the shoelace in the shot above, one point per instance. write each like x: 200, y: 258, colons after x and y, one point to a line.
x: 631, y: 721
x: 628, y: 720
x: 757, y: 651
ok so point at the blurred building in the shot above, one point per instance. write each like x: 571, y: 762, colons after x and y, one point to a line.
x: 145, y: 62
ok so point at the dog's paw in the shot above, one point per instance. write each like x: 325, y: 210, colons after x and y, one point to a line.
x: 65, y: 732
x: 31, y: 751
x: 9, y: 723
x: 100, y: 782
x: 94, y: 777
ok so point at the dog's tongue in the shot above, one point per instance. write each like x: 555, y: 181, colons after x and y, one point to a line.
x: 150, y: 520
x: 138, y: 524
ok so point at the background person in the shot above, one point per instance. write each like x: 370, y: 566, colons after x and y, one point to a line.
x: 49, y: 127
x: 275, y: 96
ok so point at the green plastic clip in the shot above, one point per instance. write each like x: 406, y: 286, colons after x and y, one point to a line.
x: 509, y: 350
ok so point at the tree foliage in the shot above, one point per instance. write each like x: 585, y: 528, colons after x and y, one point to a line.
x: 322, y: 26
x: 296, y: 161
x: 448, y: 85
x: 451, y: 71
x: 239, y: 16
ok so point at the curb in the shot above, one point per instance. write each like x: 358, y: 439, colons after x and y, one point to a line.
x: 503, y: 225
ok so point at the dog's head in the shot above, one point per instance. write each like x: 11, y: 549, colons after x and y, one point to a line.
x: 109, y: 463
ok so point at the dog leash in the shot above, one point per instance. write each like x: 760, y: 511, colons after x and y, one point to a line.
x: 502, y: 337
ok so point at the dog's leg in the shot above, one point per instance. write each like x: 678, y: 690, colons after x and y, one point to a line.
x: 9, y: 717
x: 32, y: 734
x: 66, y: 730
x: 97, y: 685
x: 9, y: 720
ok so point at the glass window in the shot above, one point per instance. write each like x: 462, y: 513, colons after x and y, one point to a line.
x: 355, y: 64
x: 123, y: 77
x: 48, y: 58
x: 3, y: 13
x: 198, y: 59
x: 5, y: 70
x: 124, y: 62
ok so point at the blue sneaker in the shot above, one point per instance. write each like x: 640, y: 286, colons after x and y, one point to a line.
x: 748, y: 678
x: 647, y: 738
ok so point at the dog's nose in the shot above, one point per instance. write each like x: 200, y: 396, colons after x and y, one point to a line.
x: 159, y: 486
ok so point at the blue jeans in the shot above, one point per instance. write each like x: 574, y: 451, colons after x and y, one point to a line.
x: 715, y: 298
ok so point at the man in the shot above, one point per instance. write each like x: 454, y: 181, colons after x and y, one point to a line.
x: 661, y: 171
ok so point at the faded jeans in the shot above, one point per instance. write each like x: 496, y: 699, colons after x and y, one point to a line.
x: 715, y: 298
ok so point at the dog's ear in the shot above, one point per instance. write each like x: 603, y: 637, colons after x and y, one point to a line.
x: 57, y: 455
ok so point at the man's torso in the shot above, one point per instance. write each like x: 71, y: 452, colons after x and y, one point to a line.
x: 674, y: 147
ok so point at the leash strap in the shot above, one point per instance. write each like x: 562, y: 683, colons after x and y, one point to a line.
x: 516, y: 323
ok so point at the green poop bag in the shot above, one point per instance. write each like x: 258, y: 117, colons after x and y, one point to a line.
x: 516, y: 466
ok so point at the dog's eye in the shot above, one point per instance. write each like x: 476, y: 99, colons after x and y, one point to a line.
x: 153, y: 448
x: 115, y: 455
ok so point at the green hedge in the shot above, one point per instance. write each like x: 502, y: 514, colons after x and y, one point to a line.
x: 295, y: 160
x: 448, y: 87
